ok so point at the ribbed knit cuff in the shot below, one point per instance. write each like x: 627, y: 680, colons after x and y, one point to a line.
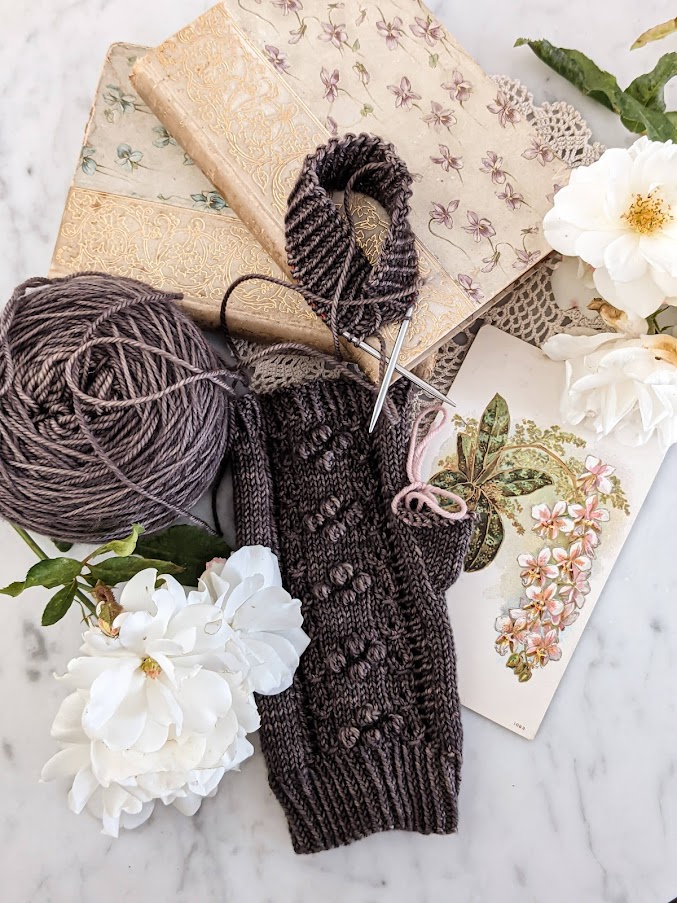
x: 352, y: 795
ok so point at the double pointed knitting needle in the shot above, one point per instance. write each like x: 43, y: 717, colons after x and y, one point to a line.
x: 392, y: 363
x: 407, y: 374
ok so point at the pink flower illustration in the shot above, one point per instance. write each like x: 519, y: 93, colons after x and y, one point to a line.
x: 571, y: 560
x: 490, y: 263
x: 544, y: 647
x: 330, y: 82
x: 555, y: 189
x: 471, y: 288
x: 513, y: 200
x: 550, y: 523
x: 427, y: 28
x: 542, y: 598
x: 438, y: 117
x: 442, y: 215
x: 596, y: 476
x: 447, y: 160
x: 459, y: 89
x: 403, y: 94
x: 492, y: 164
x: 525, y: 259
x: 587, y: 517
x: 391, y: 31
x: 362, y: 73
x: 505, y: 109
x: 511, y: 632
x: 288, y: 6
x: 277, y: 57
x: 539, y: 151
x: 480, y: 227
x: 297, y: 34
x: 335, y: 34
x: 577, y: 589
x: 362, y: 16
x: 537, y: 569
x: 332, y: 126
x: 562, y: 619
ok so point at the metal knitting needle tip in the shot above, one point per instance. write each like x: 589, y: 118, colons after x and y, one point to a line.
x: 407, y: 374
x: 395, y: 353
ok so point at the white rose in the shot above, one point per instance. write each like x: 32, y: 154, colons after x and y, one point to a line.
x: 621, y: 384
x: 620, y: 215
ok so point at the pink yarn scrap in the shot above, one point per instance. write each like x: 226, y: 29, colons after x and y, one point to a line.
x: 418, y: 491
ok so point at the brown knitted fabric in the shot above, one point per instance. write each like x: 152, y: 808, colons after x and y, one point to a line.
x: 368, y: 738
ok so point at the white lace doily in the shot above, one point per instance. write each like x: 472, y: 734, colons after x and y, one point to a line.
x: 529, y: 311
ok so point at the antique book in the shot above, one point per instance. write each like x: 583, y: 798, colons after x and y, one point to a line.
x: 248, y: 89
x: 139, y: 207
x: 554, y: 504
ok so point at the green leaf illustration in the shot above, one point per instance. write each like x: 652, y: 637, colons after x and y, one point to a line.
x: 466, y: 453
x: 451, y: 480
x: 186, y: 545
x: 118, y: 570
x: 59, y: 604
x: 492, y: 432
x: 649, y: 89
x: 122, y: 547
x: 521, y: 481
x: 49, y: 573
x: 602, y: 86
x: 487, y: 536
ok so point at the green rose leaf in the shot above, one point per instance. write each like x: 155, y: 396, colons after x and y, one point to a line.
x: 121, y: 547
x: 649, y: 89
x: 521, y: 481
x: 487, y: 536
x: 187, y: 545
x: 49, y: 573
x: 59, y: 604
x: 492, y: 432
x: 656, y: 33
x: 118, y: 570
x: 602, y: 86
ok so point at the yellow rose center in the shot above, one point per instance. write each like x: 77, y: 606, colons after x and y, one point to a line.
x: 648, y: 213
x: 150, y: 667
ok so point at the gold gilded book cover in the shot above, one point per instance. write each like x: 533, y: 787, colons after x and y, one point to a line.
x: 249, y: 88
x: 139, y: 207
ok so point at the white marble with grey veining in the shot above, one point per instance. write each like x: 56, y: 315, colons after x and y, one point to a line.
x: 586, y: 812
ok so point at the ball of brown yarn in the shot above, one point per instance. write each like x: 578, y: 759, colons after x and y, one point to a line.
x: 114, y: 409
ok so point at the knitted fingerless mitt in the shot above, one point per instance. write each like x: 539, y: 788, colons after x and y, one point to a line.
x: 368, y: 738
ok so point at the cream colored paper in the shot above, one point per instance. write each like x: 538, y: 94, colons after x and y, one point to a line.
x: 248, y: 89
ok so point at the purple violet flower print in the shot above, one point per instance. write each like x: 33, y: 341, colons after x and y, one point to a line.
x: 362, y: 16
x: 479, y: 227
x: 391, y: 31
x: 438, y: 117
x: 427, y: 28
x: 288, y: 6
x: 447, y: 160
x: 362, y: 73
x: 459, y: 89
x: 525, y: 259
x: 330, y: 82
x: 277, y: 58
x: 490, y: 263
x: 539, y: 151
x: 492, y: 164
x: 555, y: 189
x: 403, y: 94
x: 332, y: 126
x: 472, y: 289
x: 513, y: 200
x: 505, y: 109
x: 335, y: 34
x: 442, y: 215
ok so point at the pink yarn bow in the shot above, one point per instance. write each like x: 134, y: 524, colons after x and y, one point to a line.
x: 418, y: 490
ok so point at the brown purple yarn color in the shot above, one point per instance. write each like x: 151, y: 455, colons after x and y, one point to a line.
x: 113, y: 408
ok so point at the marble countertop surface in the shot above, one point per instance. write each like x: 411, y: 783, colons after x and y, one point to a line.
x: 586, y: 812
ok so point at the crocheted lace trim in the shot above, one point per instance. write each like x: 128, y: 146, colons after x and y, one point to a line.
x: 529, y: 311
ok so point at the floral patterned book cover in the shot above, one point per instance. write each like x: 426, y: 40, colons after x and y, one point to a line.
x: 554, y: 508
x: 139, y: 207
x: 251, y: 87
